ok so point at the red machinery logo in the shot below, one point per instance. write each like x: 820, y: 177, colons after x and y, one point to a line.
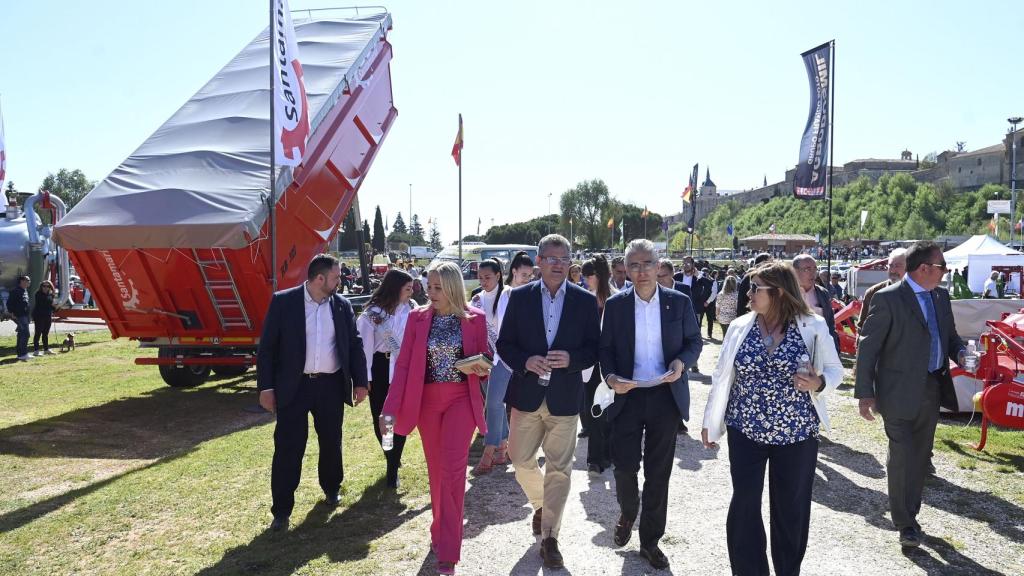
x: 292, y: 138
x: 1003, y: 404
x: 125, y: 286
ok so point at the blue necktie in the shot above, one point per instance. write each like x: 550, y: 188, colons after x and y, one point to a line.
x: 935, y: 353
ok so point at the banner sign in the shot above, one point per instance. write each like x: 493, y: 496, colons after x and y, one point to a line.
x: 291, y: 108
x: 811, y: 170
x: 998, y: 206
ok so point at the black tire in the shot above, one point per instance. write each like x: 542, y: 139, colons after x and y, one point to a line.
x: 184, y: 377
x: 230, y: 370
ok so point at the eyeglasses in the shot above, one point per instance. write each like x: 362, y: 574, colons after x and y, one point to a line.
x: 646, y: 266
x: 755, y: 288
x: 807, y: 268
x: 552, y: 260
x: 940, y: 265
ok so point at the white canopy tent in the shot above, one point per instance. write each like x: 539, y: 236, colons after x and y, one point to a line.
x: 980, y: 253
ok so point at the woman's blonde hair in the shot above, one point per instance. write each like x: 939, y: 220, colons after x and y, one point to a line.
x: 730, y: 285
x: 452, y: 286
x: 787, y: 300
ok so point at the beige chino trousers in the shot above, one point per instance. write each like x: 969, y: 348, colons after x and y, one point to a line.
x: 549, y: 490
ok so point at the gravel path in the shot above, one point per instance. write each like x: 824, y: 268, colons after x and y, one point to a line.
x: 969, y: 531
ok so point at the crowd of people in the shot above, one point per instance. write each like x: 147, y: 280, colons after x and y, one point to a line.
x: 545, y: 346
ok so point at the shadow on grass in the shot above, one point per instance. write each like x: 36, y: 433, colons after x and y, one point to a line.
x: 157, y: 424
x: 9, y: 353
x: 344, y: 536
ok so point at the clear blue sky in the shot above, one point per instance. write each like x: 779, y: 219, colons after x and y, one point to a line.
x: 552, y: 92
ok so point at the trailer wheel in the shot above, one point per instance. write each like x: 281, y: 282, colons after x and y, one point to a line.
x: 230, y: 370
x: 184, y: 377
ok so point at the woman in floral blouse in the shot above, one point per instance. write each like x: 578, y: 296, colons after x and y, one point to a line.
x: 768, y: 390
x: 381, y: 327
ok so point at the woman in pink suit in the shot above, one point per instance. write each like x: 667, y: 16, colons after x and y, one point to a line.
x: 430, y: 393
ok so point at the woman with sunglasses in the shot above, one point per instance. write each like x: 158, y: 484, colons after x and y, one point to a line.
x: 768, y: 391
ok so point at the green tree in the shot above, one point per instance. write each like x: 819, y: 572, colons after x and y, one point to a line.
x: 366, y: 232
x: 435, y: 237
x: 69, y: 185
x: 349, y: 235
x: 398, y: 226
x: 529, y: 232
x: 379, y: 241
x: 416, y: 230
x: 587, y: 205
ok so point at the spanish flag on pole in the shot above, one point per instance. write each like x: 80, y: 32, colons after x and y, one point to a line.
x: 457, y: 147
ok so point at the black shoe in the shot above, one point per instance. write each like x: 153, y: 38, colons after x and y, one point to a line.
x: 332, y: 500
x: 595, y: 469
x: 909, y: 537
x: 654, y: 556
x: 549, y: 552
x: 623, y: 531
x: 682, y: 428
x: 694, y: 369
x: 583, y: 433
x: 279, y: 524
x: 536, y: 521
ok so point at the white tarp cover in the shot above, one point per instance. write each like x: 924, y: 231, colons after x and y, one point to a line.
x: 981, y: 253
x: 979, y: 244
x: 201, y: 179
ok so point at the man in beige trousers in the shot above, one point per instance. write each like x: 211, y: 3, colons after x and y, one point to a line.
x: 549, y: 335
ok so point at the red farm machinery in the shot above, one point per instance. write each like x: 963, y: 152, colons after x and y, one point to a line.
x: 175, y: 244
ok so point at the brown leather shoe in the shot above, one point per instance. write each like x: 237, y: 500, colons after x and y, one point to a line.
x: 549, y: 552
x: 623, y: 531
x: 654, y: 556
x: 536, y: 521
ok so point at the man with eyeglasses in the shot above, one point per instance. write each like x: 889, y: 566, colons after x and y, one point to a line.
x: 818, y: 299
x: 648, y: 338
x: 903, y: 373
x: 549, y: 336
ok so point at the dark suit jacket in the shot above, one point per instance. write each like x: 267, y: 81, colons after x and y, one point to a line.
x: 680, y: 339
x: 743, y: 296
x: 282, y: 351
x: 698, y: 292
x: 892, y: 352
x: 523, y: 335
x: 825, y: 301
x: 866, y: 301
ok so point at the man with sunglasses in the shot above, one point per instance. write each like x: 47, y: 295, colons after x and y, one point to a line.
x: 549, y: 336
x: 903, y: 373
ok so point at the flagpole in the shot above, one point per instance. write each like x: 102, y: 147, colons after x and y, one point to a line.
x: 831, y: 146
x: 272, y: 200
x: 460, y: 195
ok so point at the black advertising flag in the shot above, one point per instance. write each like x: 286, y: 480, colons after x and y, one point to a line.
x: 811, y: 170
x: 692, y: 188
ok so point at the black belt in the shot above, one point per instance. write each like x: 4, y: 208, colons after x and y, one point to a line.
x: 384, y: 354
x: 315, y: 375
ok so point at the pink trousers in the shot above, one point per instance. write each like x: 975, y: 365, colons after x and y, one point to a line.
x: 446, y: 429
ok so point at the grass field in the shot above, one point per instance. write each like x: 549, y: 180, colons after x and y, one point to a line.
x: 106, y: 470
x: 109, y: 471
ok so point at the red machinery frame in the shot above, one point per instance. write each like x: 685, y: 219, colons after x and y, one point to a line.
x: 1002, y: 399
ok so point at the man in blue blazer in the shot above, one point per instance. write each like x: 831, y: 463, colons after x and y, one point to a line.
x: 310, y: 359
x: 647, y: 331
x: 548, y: 337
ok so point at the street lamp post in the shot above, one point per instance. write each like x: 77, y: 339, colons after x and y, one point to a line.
x: 1014, y: 120
x: 549, y: 212
x: 410, y: 204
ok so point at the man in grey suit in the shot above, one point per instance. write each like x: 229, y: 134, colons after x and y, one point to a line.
x: 902, y: 372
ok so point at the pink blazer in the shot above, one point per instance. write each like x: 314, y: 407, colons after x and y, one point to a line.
x: 406, y: 391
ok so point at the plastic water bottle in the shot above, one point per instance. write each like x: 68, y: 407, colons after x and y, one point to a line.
x: 805, y: 365
x: 971, y: 356
x: 544, y: 379
x: 387, y: 437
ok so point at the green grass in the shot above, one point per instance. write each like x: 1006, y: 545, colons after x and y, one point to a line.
x: 109, y: 471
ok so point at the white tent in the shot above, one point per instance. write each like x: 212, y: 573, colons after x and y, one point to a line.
x: 980, y: 253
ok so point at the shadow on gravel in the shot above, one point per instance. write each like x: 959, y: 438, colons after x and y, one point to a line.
x: 692, y: 453
x: 863, y: 463
x: 949, y: 561
x: 343, y: 536
x: 531, y: 563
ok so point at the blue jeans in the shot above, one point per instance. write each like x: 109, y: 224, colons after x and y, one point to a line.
x: 21, y: 344
x: 497, y: 421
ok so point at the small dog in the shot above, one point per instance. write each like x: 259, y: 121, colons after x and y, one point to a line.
x: 69, y: 343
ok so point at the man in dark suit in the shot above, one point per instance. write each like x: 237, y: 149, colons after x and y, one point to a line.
x: 817, y: 298
x: 549, y: 335
x: 742, y: 291
x: 310, y: 359
x: 647, y: 330
x: 902, y: 372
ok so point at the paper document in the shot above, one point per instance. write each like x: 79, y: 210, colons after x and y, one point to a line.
x: 654, y: 381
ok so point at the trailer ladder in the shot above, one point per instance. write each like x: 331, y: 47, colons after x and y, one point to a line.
x: 221, y: 287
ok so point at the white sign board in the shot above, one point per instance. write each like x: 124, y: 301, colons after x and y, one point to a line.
x: 998, y: 206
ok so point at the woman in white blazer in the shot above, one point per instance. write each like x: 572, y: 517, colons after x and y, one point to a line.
x: 776, y: 365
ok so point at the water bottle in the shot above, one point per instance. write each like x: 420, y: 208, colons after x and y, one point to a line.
x: 805, y: 365
x: 544, y: 379
x: 971, y: 357
x: 387, y: 437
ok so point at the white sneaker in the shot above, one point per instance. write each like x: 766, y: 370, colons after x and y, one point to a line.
x: 36, y: 354
x: 49, y: 352
x: 24, y: 358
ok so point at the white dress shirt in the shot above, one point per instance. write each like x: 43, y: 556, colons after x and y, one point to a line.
x: 811, y: 299
x: 321, y: 346
x: 383, y: 332
x: 648, y: 355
